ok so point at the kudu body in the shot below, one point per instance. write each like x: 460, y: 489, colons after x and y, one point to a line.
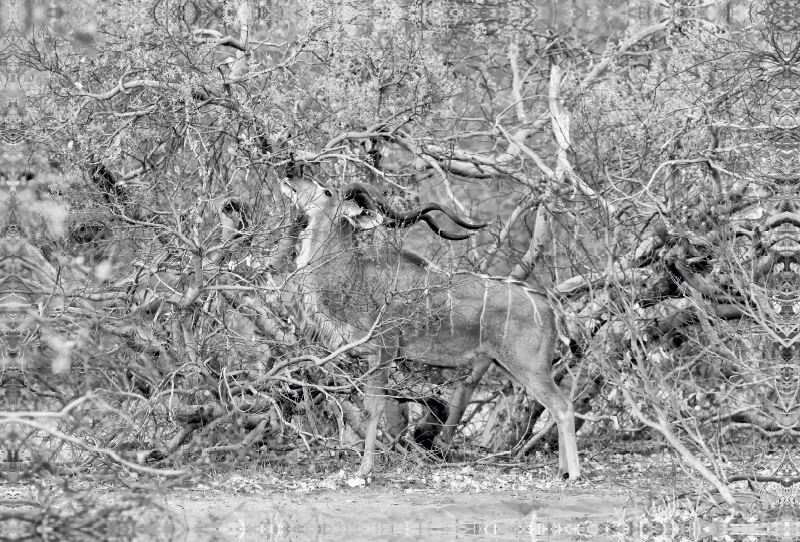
x: 440, y: 318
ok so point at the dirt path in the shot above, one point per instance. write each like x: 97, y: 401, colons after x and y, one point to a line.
x: 357, y: 514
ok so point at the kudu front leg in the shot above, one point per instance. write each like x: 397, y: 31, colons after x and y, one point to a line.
x: 374, y: 402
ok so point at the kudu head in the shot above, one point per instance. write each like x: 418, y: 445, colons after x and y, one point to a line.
x: 326, y: 210
x: 359, y: 207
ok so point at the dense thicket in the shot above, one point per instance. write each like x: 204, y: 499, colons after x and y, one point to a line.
x: 632, y: 179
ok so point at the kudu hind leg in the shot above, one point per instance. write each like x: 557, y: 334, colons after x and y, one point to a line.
x: 560, y: 407
x: 459, y: 400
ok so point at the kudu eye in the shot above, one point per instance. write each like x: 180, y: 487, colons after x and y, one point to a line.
x: 328, y: 193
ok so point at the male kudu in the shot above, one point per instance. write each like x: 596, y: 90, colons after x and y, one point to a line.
x: 443, y: 319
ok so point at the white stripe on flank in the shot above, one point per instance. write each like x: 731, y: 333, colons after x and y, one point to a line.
x: 508, y: 314
x: 427, y: 294
x: 536, y: 316
x: 450, y: 311
x: 483, y: 312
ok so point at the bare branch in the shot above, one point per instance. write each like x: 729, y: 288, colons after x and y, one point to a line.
x: 516, y: 84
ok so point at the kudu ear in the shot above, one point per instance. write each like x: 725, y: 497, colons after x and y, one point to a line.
x: 295, y: 188
x: 289, y: 191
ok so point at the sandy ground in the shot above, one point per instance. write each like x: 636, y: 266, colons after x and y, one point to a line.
x: 357, y: 514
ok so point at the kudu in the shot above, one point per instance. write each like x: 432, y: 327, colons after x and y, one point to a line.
x: 443, y: 319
